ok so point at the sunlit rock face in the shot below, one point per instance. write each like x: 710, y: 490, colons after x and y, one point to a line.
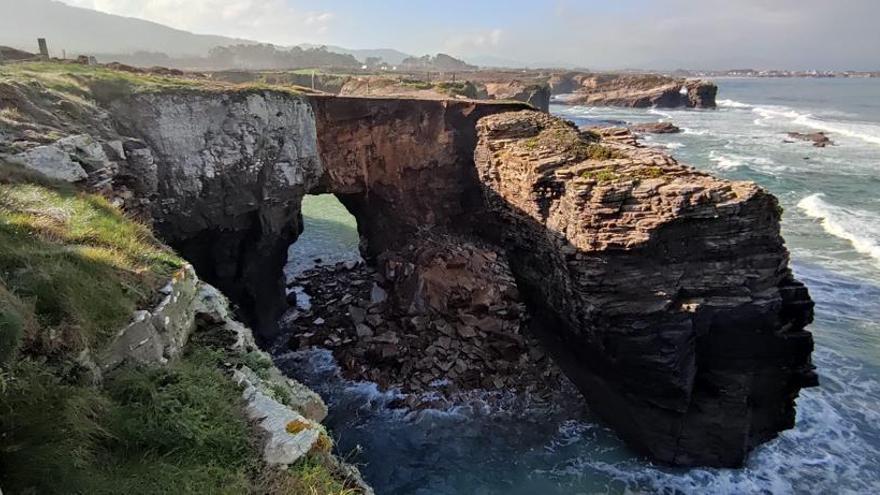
x: 224, y: 175
x: 664, y: 293
x: 673, y: 302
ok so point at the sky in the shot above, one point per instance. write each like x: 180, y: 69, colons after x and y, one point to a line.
x: 607, y: 34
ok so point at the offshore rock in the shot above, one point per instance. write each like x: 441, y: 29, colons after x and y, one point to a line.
x: 819, y: 139
x: 537, y: 95
x: 655, y: 128
x: 667, y: 291
x: 701, y: 94
x: 634, y: 90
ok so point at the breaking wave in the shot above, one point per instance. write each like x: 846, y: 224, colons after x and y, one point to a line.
x: 866, y: 132
x: 732, y: 104
x: 858, y: 227
x: 732, y: 161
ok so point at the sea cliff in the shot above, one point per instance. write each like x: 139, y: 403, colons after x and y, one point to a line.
x: 663, y: 293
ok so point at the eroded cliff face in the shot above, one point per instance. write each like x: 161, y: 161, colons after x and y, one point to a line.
x: 222, y: 175
x: 634, y: 90
x: 676, y: 313
x: 665, y: 292
x: 537, y: 95
x: 401, y: 165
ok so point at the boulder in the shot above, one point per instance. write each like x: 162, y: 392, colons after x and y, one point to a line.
x: 655, y: 128
x: 819, y: 139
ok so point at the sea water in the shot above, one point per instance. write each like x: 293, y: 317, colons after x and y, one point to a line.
x: 831, y: 224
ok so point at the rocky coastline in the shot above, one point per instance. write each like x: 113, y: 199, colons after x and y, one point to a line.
x: 663, y: 293
x: 537, y: 88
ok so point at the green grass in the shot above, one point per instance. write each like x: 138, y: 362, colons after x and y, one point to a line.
x: 593, y: 151
x: 606, y: 174
x: 151, y: 430
x: 72, y: 270
x: 460, y: 88
x: 416, y: 84
x: 72, y: 267
x: 567, y: 140
x: 103, y: 83
x: 309, y: 476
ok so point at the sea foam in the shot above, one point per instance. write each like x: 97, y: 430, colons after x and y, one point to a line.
x: 866, y: 132
x: 858, y: 227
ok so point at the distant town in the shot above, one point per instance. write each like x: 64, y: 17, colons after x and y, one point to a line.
x: 775, y: 73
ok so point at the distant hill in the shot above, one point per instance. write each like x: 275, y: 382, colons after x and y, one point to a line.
x: 84, y: 31
x: 80, y: 31
x: 389, y: 55
x: 441, y: 62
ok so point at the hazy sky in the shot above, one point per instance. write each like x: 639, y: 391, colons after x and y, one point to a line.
x: 825, y: 34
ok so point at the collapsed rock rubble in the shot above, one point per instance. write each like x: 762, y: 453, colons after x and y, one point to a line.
x: 438, y: 317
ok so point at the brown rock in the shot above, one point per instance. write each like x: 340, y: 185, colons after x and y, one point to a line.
x: 646, y: 232
x: 655, y: 128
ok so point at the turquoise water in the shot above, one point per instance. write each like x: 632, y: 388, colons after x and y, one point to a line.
x: 329, y: 236
x: 832, y: 226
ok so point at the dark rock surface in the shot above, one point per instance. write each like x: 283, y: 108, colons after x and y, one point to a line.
x: 655, y: 128
x: 223, y: 176
x: 401, y: 165
x: 701, y: 94
x: 819, y: 139
x: 440, y: 317
x: 664, y: 293
x: 669, y: 290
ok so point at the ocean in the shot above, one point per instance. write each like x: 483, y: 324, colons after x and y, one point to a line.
x: 831, y: 223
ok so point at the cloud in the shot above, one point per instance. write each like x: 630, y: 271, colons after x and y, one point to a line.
x: 265, y: 20
x: 720, y: 33
x: 475, y: 41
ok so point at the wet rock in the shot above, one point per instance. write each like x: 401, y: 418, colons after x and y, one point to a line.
x: 819, y: 139
x: 377, y: 295
x: 358, y: 314
x: 655, y: 128
x: 363, y: 330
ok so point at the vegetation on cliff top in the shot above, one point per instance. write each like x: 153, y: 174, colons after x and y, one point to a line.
x: 101, y: 82
x: 72, y: 267
x: 72, y: 270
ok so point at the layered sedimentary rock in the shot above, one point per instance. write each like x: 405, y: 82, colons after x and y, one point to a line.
x: 701, y: 94
x: 655, y: 128
x: 634, y: 90
x: 666, y: 292
x: 537, y: 95
x: 676, y: 312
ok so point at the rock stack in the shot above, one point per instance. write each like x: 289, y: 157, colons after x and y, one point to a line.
x: 670, y: 289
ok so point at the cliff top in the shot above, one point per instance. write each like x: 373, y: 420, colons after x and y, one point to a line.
x: 81, y: 79
x: 622, y: 190
x: 73, y: 268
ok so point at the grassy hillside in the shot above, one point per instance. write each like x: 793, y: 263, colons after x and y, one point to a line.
x: 72, y: 270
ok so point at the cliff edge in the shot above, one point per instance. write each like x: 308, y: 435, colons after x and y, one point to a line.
x: 667, y: 292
